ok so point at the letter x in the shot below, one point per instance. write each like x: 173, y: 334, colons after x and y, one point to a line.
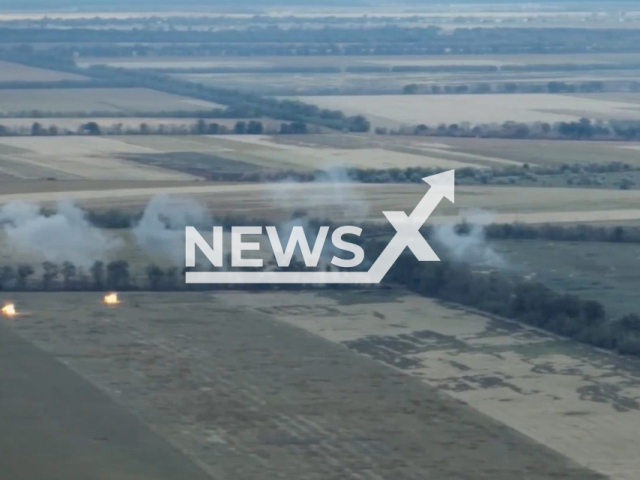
x: 408, y: 235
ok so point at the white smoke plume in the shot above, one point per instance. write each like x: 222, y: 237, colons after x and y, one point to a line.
x: 343, y: 194
x: 63, y: 236
x: 470, y: 246
x: 331, y: 195
x: 160, y: 231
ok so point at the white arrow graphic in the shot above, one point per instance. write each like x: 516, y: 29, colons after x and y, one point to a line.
x: 407, y: 235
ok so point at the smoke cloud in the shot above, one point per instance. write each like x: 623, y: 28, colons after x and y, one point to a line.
x: 471, y: 246
x: 338, y: 199
x: 160, y: 231
x: 63, y: 236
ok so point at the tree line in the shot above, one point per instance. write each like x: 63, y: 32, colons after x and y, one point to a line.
x: 200, y: 127
x: 528, y: 302
x: 583, y: 129
x: 562, y: 233
x: 517, y: 87
x: 574, y: 174
x: 239, y: 104
x: 114, y: 275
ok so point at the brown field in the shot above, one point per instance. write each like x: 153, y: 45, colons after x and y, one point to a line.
x: 353, y: 202
x: 228, y: 381
x: 250, y: 152
x: 59, y: 157
x: 533, y: 152
x: 78, y: 157
x: 477, y: 152
x: 100, y: 99
x: 313, y: 152
x: 307, y: 152
x: 97, y: 172
x: 396, y: 110
x: 14, y: 72
x: 548, y: 389
x: 88, y: 169
x: 378, y: 151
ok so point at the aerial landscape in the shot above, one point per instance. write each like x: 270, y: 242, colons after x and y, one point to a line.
x: 516, y: 355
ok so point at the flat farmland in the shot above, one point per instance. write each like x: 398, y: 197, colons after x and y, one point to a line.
x: 239, y: 153
x: 96, y: 99
x: 77, y: 157
x: 359, y: 61
x: 317, y: 152
x: 548, y: 388
x: 236, y: 383
x: 14, y: 72
x: 396, y: 110
x: 380, y: 83
x: 476, y: 152
x: 533, y: 152
x: 164, y: 157
x: 352, y: 202
x: 97, y: 172
x: 322, y: 151
x: 69, y: 123
x: 297, y: 152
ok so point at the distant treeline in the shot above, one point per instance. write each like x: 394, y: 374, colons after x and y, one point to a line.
x: 514, y: 87
x: 239, y: 104
x: 333, y: 40
x: 561, y: 233
x: 528, y: 302
x: 114, y: 275
x: 199, y: 127
x: 575, y: 174
x: 583, y: 129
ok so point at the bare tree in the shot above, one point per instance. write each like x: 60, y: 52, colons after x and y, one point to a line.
x: 49, y: 275
x: 69, y: 273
